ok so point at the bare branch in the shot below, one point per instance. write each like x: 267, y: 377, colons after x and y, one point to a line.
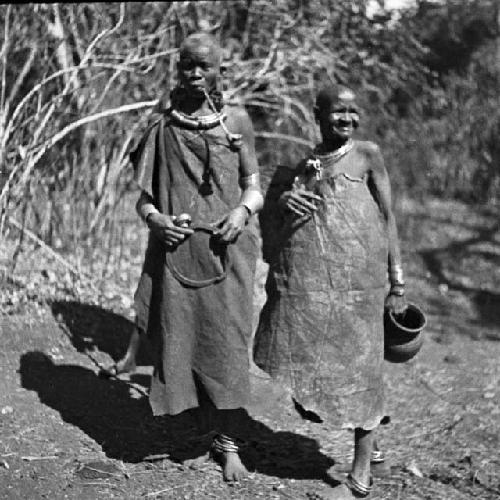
x: 83, y: 62
x: 63, y: 133
x: 20, y: 78
x: 4, y: 57
x: 272, y: 51
x: 117, y: 165
x: 27, y: 97
x: 56, y: 29
x: 92, y: 118
x: 105, y: 91
x: 45, y: 81
x: 285, y: 137
x: 32, y: 236
x: 102, y: 34
x: 154, y: 56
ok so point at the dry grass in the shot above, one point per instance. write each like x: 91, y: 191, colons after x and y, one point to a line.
x: 442, y: 441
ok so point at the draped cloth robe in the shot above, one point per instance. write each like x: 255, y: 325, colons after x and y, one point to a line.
x: 321, y: 333
x: 200, y: 335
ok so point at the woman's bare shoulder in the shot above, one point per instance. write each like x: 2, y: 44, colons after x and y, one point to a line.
x: 371, y: 151
x: 368, y: 148
x: 237, y: 116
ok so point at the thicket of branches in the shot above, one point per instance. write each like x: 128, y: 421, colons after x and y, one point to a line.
x: 78, y: 82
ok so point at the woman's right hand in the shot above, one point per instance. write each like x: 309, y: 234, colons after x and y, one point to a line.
x: 165, y: 230
x: 299, y: 201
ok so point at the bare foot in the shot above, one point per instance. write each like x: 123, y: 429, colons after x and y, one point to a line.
x: 124, y: 365
x: 232, y: 467
x: 340, y: 492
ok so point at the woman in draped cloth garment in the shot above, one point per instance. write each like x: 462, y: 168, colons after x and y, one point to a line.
x: 197, y: 170
x: 321, y: 333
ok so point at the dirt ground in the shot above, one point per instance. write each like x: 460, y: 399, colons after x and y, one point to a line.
x: 65, y: 432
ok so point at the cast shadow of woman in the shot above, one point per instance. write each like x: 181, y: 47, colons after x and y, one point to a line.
x: 116, y: 413
x: 91, y: 327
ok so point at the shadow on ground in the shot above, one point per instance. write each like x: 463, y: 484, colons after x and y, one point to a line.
x: 92, y: 327
x: 116, y: 415
x: 444, y: 264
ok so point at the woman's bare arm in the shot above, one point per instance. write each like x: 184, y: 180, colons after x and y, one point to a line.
x: 381, y: 190
x: 251, y: 200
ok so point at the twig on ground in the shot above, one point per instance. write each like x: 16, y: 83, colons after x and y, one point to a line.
x: 420, y: 434
x: 456, y: 420
x: 165, y: 490
x: 155, y: 458
x: 32, y: 458
x: 94, y: 483
x: 151, y: 471
x: 100, y: 471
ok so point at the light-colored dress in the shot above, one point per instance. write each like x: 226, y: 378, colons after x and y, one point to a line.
x: 322, y: 331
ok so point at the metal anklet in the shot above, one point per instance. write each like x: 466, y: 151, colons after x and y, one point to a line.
x: 377, y: 457
x: 224, y: 444
x: 359, y: 489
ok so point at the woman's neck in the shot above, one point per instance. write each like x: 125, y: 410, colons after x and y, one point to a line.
x: 194, y: 106
x: 332, y: 143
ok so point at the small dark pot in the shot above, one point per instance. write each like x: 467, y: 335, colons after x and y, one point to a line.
x: 403, y: 334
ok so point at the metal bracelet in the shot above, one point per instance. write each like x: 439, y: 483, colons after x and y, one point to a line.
x: 249, y: 212
x: 396, y: 275
x: 252, y: 199
x: 398, y: 290
x: 377, y: 457
x: 250, y: 180
x: 397, y: 283
x: 148, y: 209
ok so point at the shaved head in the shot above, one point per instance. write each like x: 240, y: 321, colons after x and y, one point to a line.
x: 333, y: 94
x: 199, y: 65
x: 337, y: 113
x: 201, y: 44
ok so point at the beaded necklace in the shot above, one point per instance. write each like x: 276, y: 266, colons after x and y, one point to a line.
x: 319, y: 159
x: 336, y: 154
x: 204, y: 122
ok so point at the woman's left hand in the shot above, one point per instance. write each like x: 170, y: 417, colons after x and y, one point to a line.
x: 396, y: 303
x: 232, y: 224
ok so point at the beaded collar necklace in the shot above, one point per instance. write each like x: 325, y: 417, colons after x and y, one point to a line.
x: 315, y: 163
x: 204, y: 122
x: 336, y: 154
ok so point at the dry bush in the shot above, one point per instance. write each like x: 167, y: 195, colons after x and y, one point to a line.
x: 79, y: 82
